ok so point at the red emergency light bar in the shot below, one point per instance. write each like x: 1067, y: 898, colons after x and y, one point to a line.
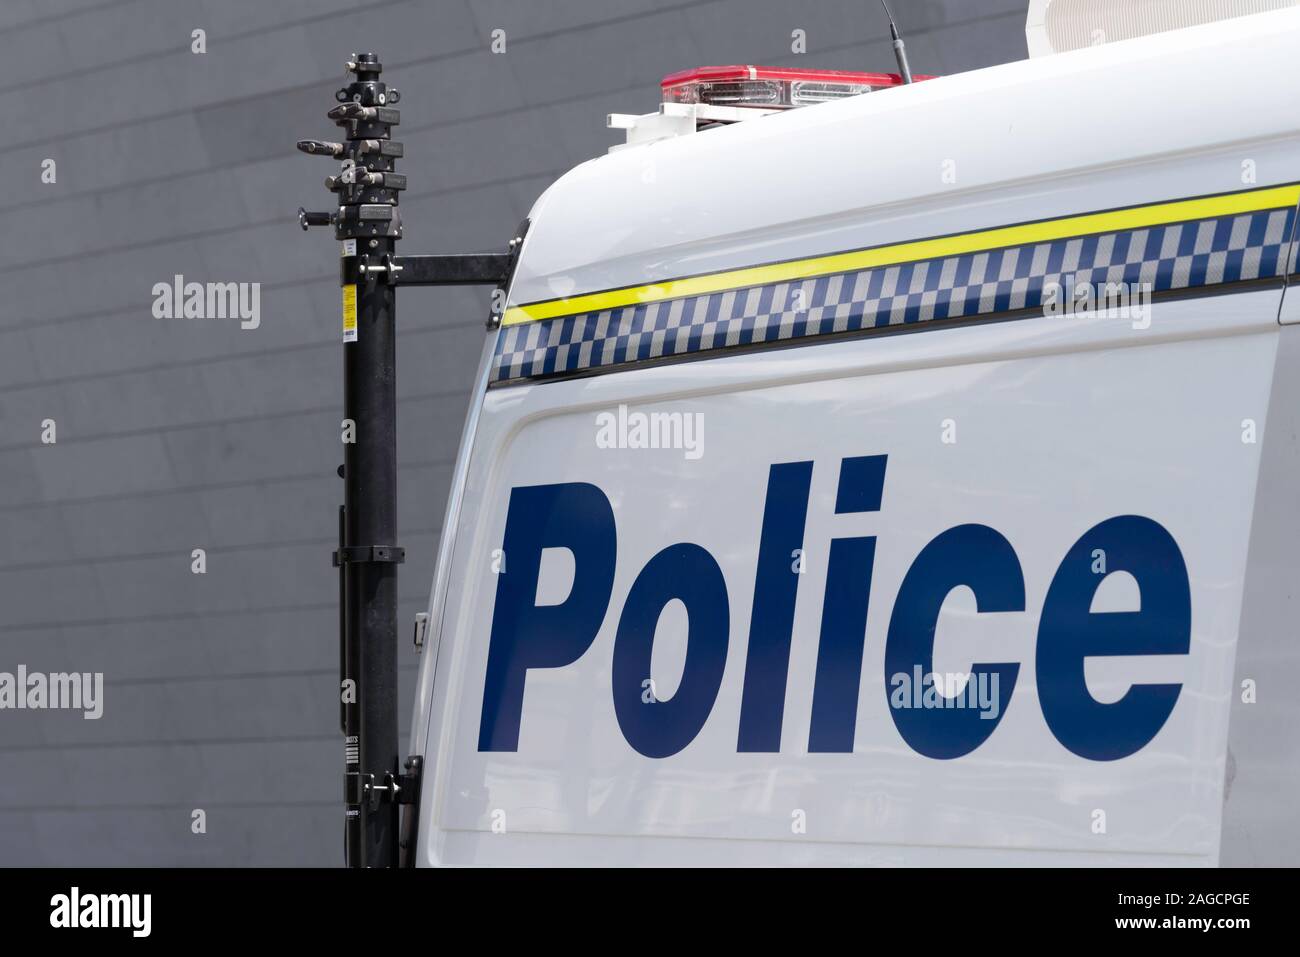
x: 771, y: 88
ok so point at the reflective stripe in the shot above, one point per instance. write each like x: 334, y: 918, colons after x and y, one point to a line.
x: 1186, y: 255
x: 1135, y: 217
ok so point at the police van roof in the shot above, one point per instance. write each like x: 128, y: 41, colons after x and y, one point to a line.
x: 1020, y: 141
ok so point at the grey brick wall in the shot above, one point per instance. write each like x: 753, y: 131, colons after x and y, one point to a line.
x: 175, y: 435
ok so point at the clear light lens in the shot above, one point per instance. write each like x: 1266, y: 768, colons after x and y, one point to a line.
x: 807, y: 92
x: 728, y: 93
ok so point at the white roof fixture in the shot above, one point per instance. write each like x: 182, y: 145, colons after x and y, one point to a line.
x: 1056, y: 26
x: 709, y: 95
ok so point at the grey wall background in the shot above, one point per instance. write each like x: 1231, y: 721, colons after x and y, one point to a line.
x: 174, y: 435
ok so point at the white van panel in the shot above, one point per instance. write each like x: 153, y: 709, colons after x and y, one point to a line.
x: 1059, y: 425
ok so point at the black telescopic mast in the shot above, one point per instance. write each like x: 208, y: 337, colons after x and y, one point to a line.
x: 368, y: 224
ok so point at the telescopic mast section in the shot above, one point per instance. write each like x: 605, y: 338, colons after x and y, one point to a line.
x: 368, y: 223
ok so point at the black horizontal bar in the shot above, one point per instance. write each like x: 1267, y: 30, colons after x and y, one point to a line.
x: 468, y: 269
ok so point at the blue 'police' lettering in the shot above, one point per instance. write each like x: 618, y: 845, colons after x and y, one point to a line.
x: 1069, y: 632
x: 981, y: 559
x: 767, y: 663
x: 689, y: 574
x: 844, y: 611
x: 576, y: 516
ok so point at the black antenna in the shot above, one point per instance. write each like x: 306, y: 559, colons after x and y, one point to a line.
x: 900, y: 52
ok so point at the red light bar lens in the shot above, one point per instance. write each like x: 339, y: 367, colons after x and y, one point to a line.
x: 772, y: 88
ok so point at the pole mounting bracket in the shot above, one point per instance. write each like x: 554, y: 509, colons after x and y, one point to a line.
x: 360, y: 787
x: 355, y: 554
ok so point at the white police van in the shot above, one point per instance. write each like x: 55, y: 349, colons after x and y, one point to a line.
x: 907, y: 479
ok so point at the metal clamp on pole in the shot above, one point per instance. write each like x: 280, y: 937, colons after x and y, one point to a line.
x: 369, y: 553
x: 367, y: 270
x: 396, y: 789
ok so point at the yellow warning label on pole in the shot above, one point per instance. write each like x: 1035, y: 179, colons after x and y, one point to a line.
x: 350, y: 313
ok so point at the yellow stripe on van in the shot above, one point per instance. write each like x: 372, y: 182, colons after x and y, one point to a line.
x: 1137, y: 217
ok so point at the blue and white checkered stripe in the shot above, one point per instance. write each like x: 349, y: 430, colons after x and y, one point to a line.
x: 1177, y: 256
